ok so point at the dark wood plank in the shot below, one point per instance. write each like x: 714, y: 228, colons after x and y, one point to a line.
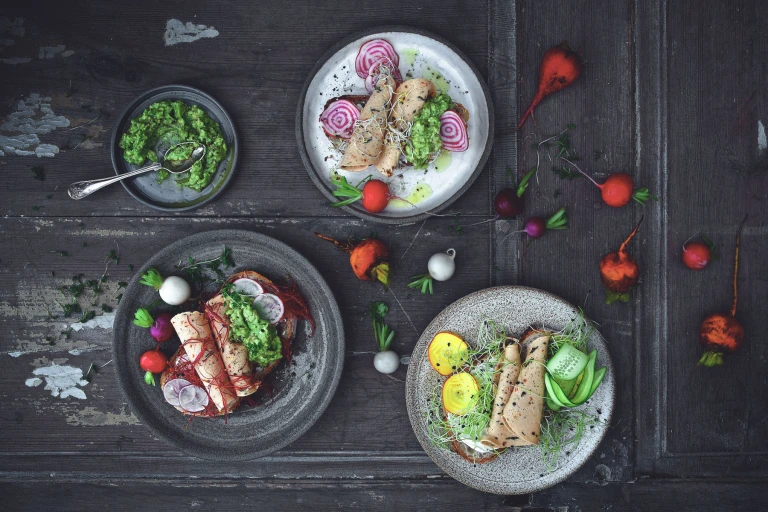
x: 566, y: 262
x: 255, y: 68
x: 368, y: 413
x: 406, y: 495
x: 704, y: 91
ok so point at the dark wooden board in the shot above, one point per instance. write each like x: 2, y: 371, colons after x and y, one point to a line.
x: 672, y: 92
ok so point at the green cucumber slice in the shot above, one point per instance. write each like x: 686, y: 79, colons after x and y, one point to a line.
x: 555, y: 393
x: 575, y: 386
x: 566, y: 385
x: 599, y: 374
x: 585, y: 388
x: 567, y: 363
x: 552, y: 405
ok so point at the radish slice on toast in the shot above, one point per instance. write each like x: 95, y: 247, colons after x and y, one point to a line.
x: 193, y: 398
x: 249, y: 287
x: 270, y: 307
x: 172, y: 389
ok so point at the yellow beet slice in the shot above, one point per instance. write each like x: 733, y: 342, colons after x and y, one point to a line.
x: 447, y: 353
x: 460, y: 393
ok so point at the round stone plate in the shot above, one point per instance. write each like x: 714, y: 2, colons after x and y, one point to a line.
x: 292, y: 398
x: 422, y: 55
x: 518, y: 470
x: 167, y: 195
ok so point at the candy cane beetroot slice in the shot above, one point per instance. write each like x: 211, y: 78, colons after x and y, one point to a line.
x: 453, y: 132
x: 172, y: 389
x: 339, y: 118
x: 193, y: 398
x: 370, y: 52
x: 380, y: 67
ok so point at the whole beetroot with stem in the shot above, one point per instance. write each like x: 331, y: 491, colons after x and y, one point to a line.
x: 618, y: 189
x: 721, y: 333
x: 619, y: 271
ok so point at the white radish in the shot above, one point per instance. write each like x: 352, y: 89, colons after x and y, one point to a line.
x: 386, y: 362
x: 441, y: 265
x: 172, y: 389
x: 249, y: 287
x: 193, y: 398
x: 269, y: 307
x: 173, y: 290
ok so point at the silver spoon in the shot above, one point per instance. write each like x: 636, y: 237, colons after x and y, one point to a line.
x: 85, y: 188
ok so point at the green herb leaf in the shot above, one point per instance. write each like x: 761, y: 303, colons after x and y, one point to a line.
x: 523, y: 185
x: 558, y: 221
x: 423, y: 282
x: 112, y: 256
x: 38, y: 172
x: 642, y: 195
x: 105, y: 308
x: 378, y: 310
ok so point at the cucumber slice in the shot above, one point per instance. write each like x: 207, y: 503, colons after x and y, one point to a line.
x: 585, y: 388
x: 566, y: 385
x: 555, y: 393
x: 552, y: 405
x: 575, y: 385
x: 567, y: 363
x: 599, y: 374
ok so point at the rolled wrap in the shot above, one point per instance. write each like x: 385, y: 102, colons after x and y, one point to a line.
x: 234, y: 355
x: 197, y: 339
x: 409, y: 98
x: 522, y: 414
x: 499, y: 435
x: 367, y: 141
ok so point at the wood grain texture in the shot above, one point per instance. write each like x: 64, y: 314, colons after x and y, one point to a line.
x: 672, y: 92
x: 255, y: 68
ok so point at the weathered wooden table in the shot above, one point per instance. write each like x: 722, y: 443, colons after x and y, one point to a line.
x: 673, y: 92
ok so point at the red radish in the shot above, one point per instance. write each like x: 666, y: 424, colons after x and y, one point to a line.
x: 617, y: 189
x: 453, y: 132
x: 508, y: 204
x: 696, y: 255
x: 162, y: 329
x: 339, y: 118
x: 375, y: 196
x: 559, y: 68
x: 152, y: 361
x: 372, y: 51
x: 721, y: 333
x: 619, y: 271
x: 535, y: 227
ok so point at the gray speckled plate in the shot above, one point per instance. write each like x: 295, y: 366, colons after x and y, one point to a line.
x: 424, y: 55
x: 299, y: 392
x: 518, y: 470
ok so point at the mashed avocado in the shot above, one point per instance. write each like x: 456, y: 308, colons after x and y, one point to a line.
x: 425, y: 133
x: 172, y: 122
x: 258, y: 335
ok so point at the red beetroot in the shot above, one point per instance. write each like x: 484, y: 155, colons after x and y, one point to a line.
x: 560, y: 67
x: 721, y: 333
x: 508, y: 204
x: 619, y: 271
x: 696, y: 255
x: 369, y: 259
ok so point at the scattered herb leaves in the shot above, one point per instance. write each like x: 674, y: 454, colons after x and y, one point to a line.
x: 38, y: 172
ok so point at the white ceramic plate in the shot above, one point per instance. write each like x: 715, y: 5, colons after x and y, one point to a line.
x: 421, y: 55
x: 517, y: 470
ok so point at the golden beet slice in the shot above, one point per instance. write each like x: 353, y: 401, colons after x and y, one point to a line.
x: 447, y: 353
x: 460, y: 393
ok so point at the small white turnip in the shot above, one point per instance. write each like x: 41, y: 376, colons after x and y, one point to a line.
x: 386, y: 362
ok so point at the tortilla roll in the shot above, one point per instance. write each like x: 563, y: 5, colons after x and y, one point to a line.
x: 197, y: 339
x: 367, y: 141
x: 410, y: 97
x: 523, y: 411
x: 498, y: 434
x: 234, y: 355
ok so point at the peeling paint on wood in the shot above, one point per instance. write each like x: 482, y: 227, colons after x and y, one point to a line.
x: 61, y: 381
x: 178, y: 32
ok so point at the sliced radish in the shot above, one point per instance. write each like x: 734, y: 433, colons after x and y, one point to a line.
x: 172, y: 389
x: 339, y: 118
x: 370, y: 52
x: 245, y: 286
x: 193, y: 398
x: 379, y: 68
x: 453, y: 132
x: 269, y: 307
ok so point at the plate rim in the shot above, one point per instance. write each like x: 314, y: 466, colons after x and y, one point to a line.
x: 337, y: 365
x: 132, y: 106
x: 411, y: 385
x: 314, y: 174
